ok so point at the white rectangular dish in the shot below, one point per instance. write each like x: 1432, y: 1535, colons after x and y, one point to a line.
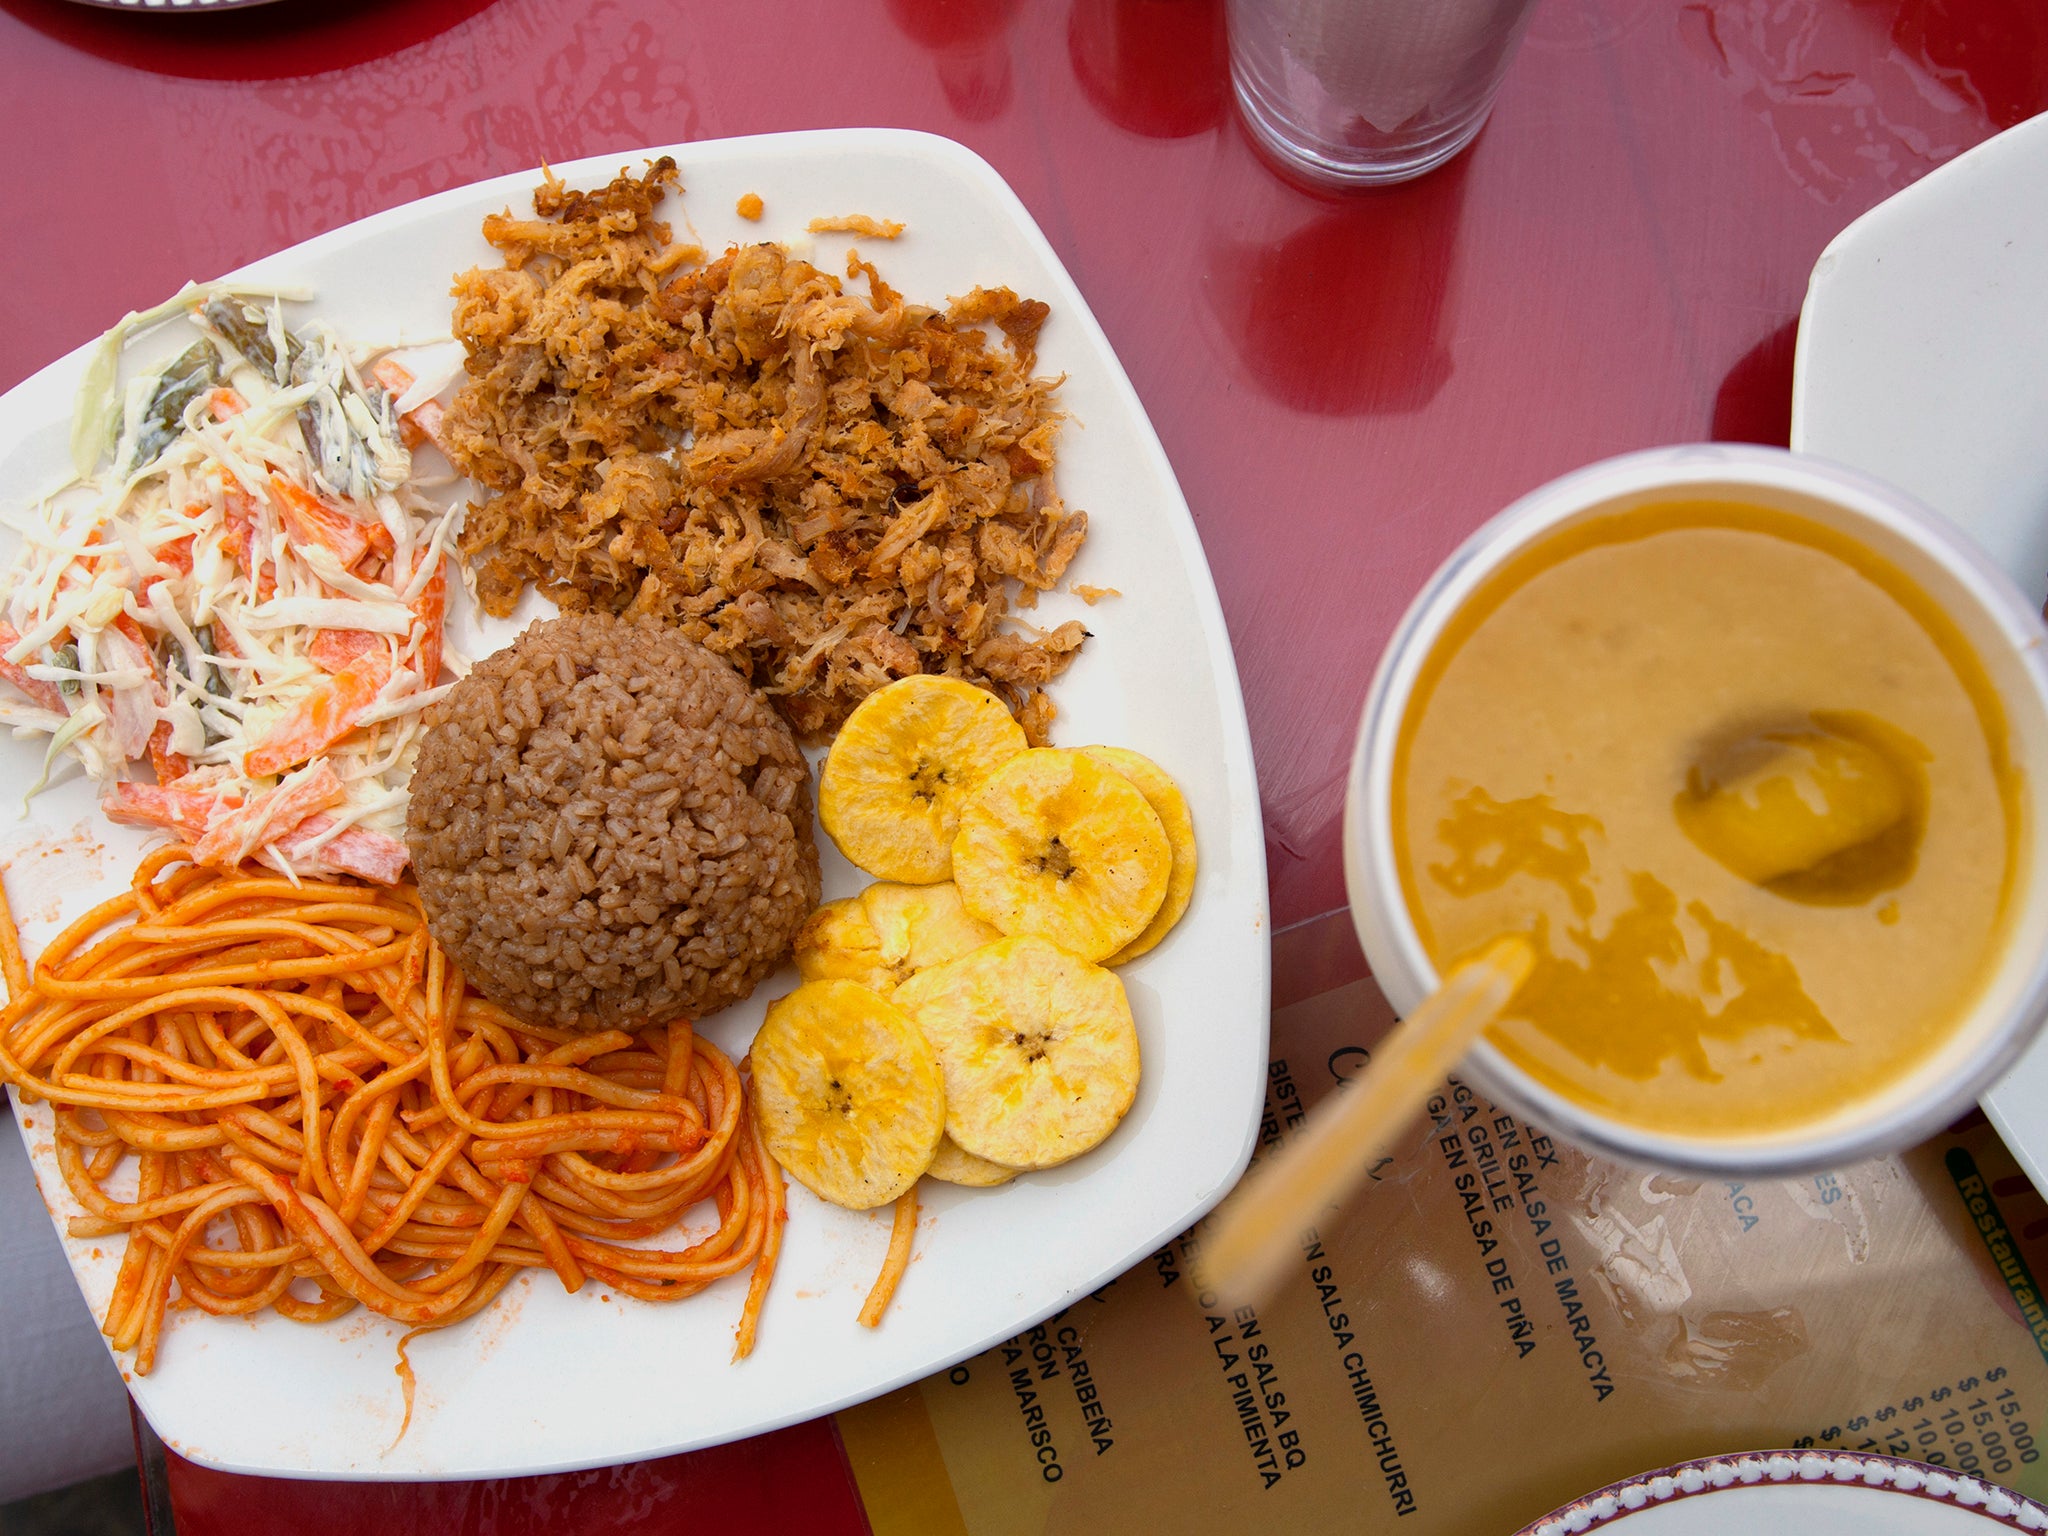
x: 1923, y: 359
x: 545, y: 1381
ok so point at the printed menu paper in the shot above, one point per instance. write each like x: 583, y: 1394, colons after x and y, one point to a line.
x: 1498, y: 1324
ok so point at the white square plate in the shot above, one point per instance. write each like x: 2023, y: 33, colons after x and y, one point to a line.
x: 545, y: 1381
x: 1923, y: 359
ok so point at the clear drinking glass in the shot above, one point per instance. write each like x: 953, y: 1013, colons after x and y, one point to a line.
x: 1360, y: 92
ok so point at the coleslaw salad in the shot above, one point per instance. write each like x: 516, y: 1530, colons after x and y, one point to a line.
x: 232, y: 618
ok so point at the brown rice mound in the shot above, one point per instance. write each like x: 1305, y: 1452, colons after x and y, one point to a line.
x: 610, y: 828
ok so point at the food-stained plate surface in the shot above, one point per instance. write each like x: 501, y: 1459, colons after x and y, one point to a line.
x: 1923, y: 359
x: 547, y: 1381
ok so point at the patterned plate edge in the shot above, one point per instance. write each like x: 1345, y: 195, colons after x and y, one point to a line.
x: 1711, y: 1474
x: 152, y: 7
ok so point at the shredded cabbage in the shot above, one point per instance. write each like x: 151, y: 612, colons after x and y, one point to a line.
x: 242, y: 538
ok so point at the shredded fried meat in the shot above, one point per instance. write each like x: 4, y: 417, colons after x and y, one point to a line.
x: 831, y: 491
x: 858, y: 224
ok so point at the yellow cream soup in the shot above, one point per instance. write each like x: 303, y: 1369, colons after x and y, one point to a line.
x: 1748, y: 791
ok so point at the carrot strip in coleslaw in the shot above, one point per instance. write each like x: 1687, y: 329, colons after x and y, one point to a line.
x: 322, y: 716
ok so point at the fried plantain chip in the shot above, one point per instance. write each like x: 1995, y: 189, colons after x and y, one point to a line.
x: 838, y: 943
x: 1171, y: 806
x: 950, y: 1165
x: 902, y: 767
x: 923, y: 925
x: 1037, y: 1046
x: 1058, y: 845
x: 848, y: 1093
x: 888, y: 933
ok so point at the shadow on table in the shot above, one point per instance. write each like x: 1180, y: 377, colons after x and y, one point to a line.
x: 1159, y: 68
x: 102, y: 1506
x: 261, y: 42
x: 1754, y: 402
x: 793, y: 1479
x: 1334, y: 305
x: 969, y: 48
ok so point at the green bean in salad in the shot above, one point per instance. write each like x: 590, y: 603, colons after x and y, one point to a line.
x: 194, y: 372
x: 247, y: 329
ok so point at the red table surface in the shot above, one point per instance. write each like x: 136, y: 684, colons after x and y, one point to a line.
x: 1346, y: 386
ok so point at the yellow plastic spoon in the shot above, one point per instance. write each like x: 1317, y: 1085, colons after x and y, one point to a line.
x: 1255, y: 1232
